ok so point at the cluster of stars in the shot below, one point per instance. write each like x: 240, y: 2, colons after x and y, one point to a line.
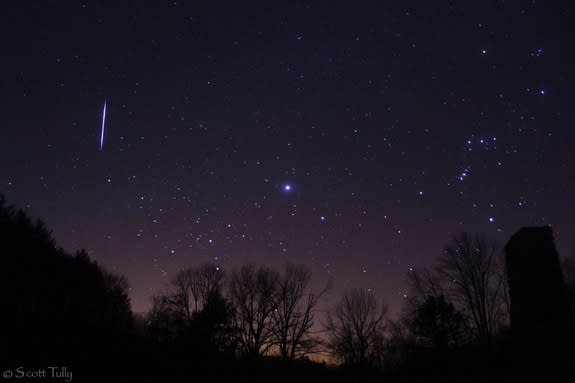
x: 332, y: 152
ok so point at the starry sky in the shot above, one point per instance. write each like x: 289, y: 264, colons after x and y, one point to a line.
x: 352, y: 137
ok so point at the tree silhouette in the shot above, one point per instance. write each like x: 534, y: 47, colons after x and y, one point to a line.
x: 293, y: 316
x: 437, y: 324
x: 63, y: 306
x: 253, y: 292
x: 211, y: 327
x: 355, y: 328
x: 55, y: 297
x: 174, y: 314
x: 193, y: 287
x: 422, y: 283
x: 429, y: 315
x: 568, y: 268
x: 164, y: 321
x: 470, y: 272
x: 400, y: 344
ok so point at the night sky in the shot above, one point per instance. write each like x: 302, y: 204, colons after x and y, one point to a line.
x: 351, y: 137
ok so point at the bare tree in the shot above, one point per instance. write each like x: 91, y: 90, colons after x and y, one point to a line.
x: 293, y: 316
x: 164, y: 321
x: 429, y: 314
x: 193, y: 287
x: 470, y: 269
x: 253, y: 293
x: 399, y: 345
x: 356, y: 327
x: 422, y: 284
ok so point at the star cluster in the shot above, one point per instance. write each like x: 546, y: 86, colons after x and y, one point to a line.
x: 353, y: 139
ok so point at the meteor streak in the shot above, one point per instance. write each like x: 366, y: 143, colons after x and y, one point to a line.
x: 103, y: 127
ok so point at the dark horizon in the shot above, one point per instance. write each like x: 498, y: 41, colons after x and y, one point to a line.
x: 477, y: 313
x: 394, y: 312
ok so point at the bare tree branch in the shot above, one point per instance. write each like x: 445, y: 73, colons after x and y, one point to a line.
x: 472, y: 273
x: 356, y: 327
x: 294, y: 313
x: 254, y: 293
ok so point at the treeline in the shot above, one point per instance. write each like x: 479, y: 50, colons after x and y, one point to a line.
x: 456, y: 310
x: 481, y: 313
x: 51, y: 298
x: 258, y: 312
